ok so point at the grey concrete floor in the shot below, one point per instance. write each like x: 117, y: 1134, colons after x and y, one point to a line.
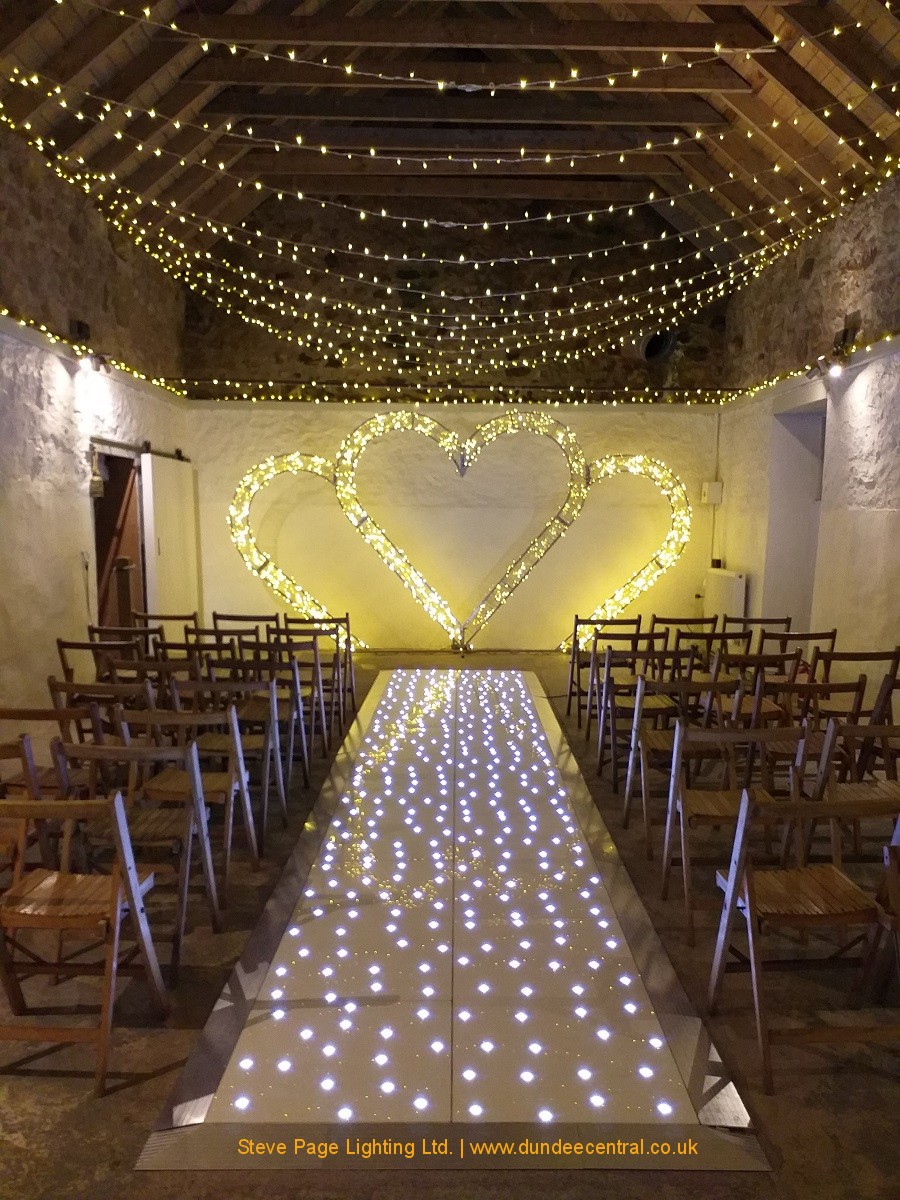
x: 831, y: 1131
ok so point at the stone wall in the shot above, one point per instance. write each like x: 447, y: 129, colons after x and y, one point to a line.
x: 60, y: 260
x: 790, y: 314
x: 49, y: 410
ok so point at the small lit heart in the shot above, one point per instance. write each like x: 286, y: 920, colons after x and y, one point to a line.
x: 342, y: 475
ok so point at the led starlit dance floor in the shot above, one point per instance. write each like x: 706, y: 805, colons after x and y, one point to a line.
x: 452, y: 965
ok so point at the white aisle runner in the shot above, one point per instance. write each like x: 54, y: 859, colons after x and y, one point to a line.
x: 454, y: 956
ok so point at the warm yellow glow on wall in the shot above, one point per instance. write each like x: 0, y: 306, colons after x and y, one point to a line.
x: 342, y: 472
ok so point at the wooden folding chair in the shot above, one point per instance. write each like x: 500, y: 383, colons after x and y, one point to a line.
x: 616, y: 697
x: 618, y: 641
x: 170, y: 825
x: 175, y: 783
x: 757, y: 671
x: 694, y: 701
x: 771, y: 641
x: 671, y: 625
x: 74, y: 655
x: 803, y: 898
x: 879, y: 665
x: 342, y: 680
x: 707, y: 645
x: 583, y: 631
x: 148, y: 637
x: 235, y: 623
x: 691, y: 807
x: 75, y: 723
x: 739, y: 625
x: 20, y: 754
x: 172, y: 623
x: 91, y: 905
x: 257, y: 740
x: 158, y: 672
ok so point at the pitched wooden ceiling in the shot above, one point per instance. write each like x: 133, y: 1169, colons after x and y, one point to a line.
x: 502, y: 148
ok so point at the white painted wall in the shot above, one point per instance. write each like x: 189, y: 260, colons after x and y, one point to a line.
x: 857, y: 580
x: 834, y: 563
x: 48, y: 412
x: 461, y: 533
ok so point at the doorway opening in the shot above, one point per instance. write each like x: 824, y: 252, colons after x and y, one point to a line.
x: 118, y: 537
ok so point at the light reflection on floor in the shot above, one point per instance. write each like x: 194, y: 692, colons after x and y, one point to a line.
x: 454, y: 955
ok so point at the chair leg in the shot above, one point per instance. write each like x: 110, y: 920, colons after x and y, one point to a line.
x: 685, y: 826
x: 104, y: 1032
x: 184, y: 878
x: 614, y: 745
x: 762, y: 1030
x: 629, y: 782
x: 10, y: 980
x: 601, y: 735
x: 247, y: 814
x: 864, y: 979
x: 209, y: 874
x: 273, y: 751
x: 667, y: 847
x: 645, y: 802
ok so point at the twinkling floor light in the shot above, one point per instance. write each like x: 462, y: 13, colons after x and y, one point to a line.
x: 454, y: 864
x: 342, y: 472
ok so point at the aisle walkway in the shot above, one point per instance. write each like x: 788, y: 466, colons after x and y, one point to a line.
x: 454, y: 963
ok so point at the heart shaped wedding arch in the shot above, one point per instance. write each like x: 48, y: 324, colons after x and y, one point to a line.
x: 341, y: 474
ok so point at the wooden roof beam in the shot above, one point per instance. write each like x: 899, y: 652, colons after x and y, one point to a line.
x: 597, y: 192
x: 296, y: 161
x: 75, y: 57
x: 812, y: 95
x: 463, y: 110
x: 451, y: 34
x: 18, y: 18
x: 849, y: 51
x: 464, y: 140
x: 421, y: 74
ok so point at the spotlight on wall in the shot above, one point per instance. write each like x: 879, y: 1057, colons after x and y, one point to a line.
x: 96, y: 486
x: 95, y: 362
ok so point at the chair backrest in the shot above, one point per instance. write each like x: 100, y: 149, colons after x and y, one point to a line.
x: 696, y: 700
x: 751, y: 667
x: 802, y: 700
x: 21, y: 753
x: 80, y: 722
x: 245, y: 621
x: 140, y: 761
x: 163, y: 724
x: 708, y: 645
x: 147, y: 636
x: 754, y: 624
x: 100, y: 653
x: 731, y: 741
x: 586, y: 628
x: 179, y: 619
x: 138, y: 693
x: 878, y: 664
x: 771, y: 640
x: 697, y: 624
x: 215, y: 695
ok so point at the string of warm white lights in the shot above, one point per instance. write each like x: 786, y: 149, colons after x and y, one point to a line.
x: 761, y: 229
x: 655, y: 195
x: 426, y: 319
x: 441, y: 84
x: 673, y: 307
x: 413, y: 394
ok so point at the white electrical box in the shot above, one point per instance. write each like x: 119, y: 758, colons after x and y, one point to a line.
x: 711, y: 492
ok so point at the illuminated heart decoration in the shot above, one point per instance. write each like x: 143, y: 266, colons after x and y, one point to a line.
x: 342, y: 475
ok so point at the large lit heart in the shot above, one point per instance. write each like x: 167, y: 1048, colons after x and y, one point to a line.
x: 462, y: 453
